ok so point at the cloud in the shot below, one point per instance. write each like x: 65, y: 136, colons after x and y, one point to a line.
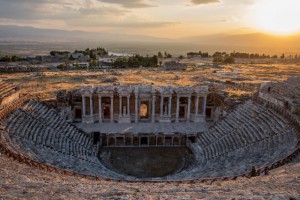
x: 129, y: 3
x: 147, y: 24
x: 102, y: 11
x: 198, y: 2
x: 120, y: 25
x: 55, y: 9
x: 32, y: 10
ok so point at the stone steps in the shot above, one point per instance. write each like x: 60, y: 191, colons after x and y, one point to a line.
x: 249, y: 124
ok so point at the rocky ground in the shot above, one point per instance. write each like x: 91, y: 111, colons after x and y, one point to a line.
x: 18, y: 181
x: 247, y: 75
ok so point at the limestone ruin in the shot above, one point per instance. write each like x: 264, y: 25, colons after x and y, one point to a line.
x: 263, y: 132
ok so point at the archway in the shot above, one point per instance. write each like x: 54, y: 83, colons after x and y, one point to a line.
x: 111, y: 141
x: 175, y: 141
x: 144, y: 110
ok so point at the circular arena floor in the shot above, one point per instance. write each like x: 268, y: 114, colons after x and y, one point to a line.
x: 146, y: 162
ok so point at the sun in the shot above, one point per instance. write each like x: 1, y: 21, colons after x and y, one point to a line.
x: 277, y: 16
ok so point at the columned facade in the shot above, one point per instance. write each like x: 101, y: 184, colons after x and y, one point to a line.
x: 127, y: 104
x: 144, y: 140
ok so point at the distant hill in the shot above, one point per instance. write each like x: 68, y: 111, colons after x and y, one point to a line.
x: 265, y: 42
x: 253, y: 42
x: 25, y: 33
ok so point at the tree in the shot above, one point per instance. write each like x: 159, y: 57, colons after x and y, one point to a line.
x: 71, y: 57
x: 282, y: 56
x: 274, y: 56
x: 136, y: 61
x: 217, y: 59
x: 228, y: 60
x: 160, y: 63
x: 52, y: 53
x: 159, y: 55
x: 5, y: 59
x: 93, y: 63
x: 92, y: 55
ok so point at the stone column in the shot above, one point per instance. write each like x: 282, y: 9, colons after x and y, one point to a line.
x: 189, y: 109
x: 120, y: 106
x: 128, y: 105
x: 91, y: 105
x: 100, y: 108
x: 112, y: 109
x: 136, y: 109
x: 196, y: 105
x: 177, y: 109
x: 161, y: 105
x: 204, y: 106
x: 83, y: 106
x: 170, y: 106
x: 153, y: 109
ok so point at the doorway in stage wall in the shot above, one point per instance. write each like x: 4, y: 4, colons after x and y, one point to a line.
x: 144, y: 110
x: 208, y: 113
x: 182, y: 112
x: 78, y: 114
x: 106, y: 112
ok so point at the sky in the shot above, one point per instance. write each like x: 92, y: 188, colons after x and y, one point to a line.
x: 164, y: 18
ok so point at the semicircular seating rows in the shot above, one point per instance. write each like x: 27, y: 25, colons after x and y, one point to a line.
x: 6, y: 90
x: 252, y: 135
x: 44, y: 136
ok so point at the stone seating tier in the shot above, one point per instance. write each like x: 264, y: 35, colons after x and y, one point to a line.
x: 6, y: 89
x: 250, y: 123
x: 251, y: 135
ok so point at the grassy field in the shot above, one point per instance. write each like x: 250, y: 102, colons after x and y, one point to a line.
x: 197, y: 73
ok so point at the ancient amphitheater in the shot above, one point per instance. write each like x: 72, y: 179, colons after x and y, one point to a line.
x: 69, y: 138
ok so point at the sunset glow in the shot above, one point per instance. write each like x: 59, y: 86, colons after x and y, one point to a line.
x: 183, y: 18
x: 279, y: 17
